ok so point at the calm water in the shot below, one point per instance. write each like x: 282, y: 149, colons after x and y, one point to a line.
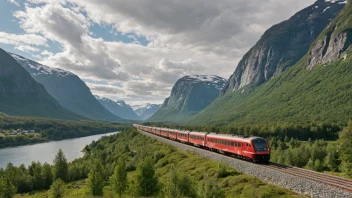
x: 45, y: 152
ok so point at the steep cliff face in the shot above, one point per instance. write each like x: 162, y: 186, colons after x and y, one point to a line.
x: 68, y: 89
x: 21, y: 95
x: 190, y: 95
x: 118, y: 108
x: 333, y: 43
x: 316, y: 89
x: 283, y: 45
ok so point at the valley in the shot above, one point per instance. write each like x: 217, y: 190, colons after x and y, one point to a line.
x: 200, y: 100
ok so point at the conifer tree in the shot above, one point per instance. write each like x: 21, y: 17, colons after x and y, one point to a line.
x: 61, y: 167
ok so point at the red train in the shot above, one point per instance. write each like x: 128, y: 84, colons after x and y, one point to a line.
x: 250, y: 148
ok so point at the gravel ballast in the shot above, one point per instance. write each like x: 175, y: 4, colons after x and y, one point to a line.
x: 296, y: 184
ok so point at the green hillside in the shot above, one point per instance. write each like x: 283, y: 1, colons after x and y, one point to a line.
x: 21, y: 95
x: 322, y: 94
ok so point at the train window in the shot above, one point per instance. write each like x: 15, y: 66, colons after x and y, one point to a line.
x: 259, y: 144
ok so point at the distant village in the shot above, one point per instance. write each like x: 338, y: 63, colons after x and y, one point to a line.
x: 21, y: 131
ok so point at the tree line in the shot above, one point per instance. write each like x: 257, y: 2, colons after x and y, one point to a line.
x: 51, y: 129
x: 298, y: 130
x: 130, y: 164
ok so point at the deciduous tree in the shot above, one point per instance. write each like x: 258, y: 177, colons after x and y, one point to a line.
x: 57, y: 189
x: 147, y: 182
x: 119, y: 179
x: 95, y: 181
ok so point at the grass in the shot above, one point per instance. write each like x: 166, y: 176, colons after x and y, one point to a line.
x: 233, y: 183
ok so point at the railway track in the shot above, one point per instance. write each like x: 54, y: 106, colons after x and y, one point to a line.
x: 342, y: 184
x: 334, y: 181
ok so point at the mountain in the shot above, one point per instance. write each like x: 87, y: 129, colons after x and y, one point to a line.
x: 316, y: 89
x: 190, y: 95
x: 118, y: 108
x: 21, y: 95
x: 283, y: 45
x: 146, y: 111
x: 68, y: 89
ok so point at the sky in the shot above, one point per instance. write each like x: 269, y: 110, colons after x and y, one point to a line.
x: 135, y: 50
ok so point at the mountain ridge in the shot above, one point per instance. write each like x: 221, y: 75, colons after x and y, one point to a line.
x: 282, y: 45
x: 118, y: 108
x: 68, y: 89
x: 21, y: 95
x: 145, y: 111
x: 301, y: 93
x: 189, y: 95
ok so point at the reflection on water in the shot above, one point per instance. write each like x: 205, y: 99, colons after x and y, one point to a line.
x: 45, y: 152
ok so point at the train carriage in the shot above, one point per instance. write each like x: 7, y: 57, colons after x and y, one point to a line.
x: 251, y: 148
x: 182, y: 136
x: 197, y: 138
x: 164, y: 132
x: 173, y: 134
x: 255, y: 149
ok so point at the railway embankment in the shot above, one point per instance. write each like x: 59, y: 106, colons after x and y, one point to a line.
x: 301, y: 181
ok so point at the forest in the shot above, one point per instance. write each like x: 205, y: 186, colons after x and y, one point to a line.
x: 317, y: 146
x: 298, y: 130
x: 130, y: 164
x: 49, y: 129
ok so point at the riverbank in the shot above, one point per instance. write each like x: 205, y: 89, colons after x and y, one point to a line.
x: 195, y: 175
x: 45, y: 152
x: 47, y: 130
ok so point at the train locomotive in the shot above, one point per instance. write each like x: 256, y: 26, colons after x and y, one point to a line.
x: 251, y: 148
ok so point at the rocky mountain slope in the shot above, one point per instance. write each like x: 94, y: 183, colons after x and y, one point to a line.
x: 146, y: 111
x: 190, y: 95
x: 118, y: 108
x: 68, y: 89
x: 318, y: 88
x: 283, y: 45
x: 21, y: 95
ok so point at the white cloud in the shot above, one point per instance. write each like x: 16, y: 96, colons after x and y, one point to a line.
x: 22, y: 39
x: 13, y: 2
x: 185, y: 37
x: 26, y: 48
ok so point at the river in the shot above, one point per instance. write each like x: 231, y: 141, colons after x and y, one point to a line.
x: 45, y: 152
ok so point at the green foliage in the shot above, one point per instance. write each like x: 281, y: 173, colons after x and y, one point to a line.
x: 47, y: 176
x: 210, y: 189
x: 172, y: 185
x: 7, y: 189
x: 50, y: 129
x: 147, y: 182
x: 118, y: 180
x: 222, y: 172
x: 146, y: 154
x: 57, y: 189
x: 346, y: 150
x: 296, y: 95
x: 281, y: 130
x: 61, y: 167
x: 95, y: 180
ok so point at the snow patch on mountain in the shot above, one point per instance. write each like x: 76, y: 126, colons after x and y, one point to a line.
x: 145, y: 111
x: 207, y: 79
x: 39, y: 69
